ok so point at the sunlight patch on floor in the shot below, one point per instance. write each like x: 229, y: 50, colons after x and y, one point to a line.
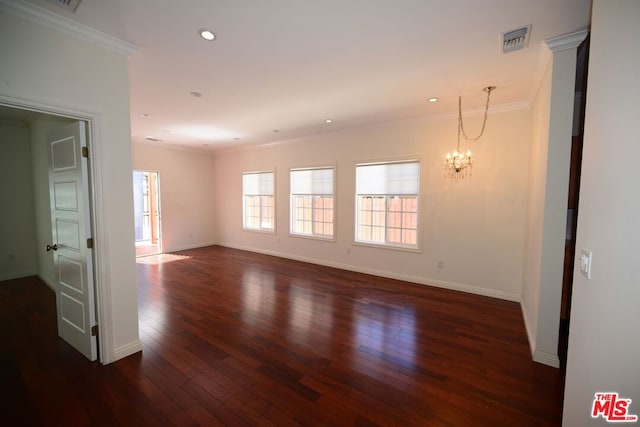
x: 161, y: 259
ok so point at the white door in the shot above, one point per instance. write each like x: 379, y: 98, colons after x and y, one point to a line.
x: 71, y: 229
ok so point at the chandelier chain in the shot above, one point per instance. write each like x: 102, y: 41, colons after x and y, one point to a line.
x: 484, y: 122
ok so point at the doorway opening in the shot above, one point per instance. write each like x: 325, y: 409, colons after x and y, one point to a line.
x: 53, y: 206
x: 146, y: 207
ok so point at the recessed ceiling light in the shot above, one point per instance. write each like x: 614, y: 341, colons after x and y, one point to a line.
x: 152, y: 139
x: 145, y: 115
x: 207, y: 35
x: 434, y: 99
x: 236, y: 139
x: 196, y: 94
x: 276, y: 131
x: 328, y: 121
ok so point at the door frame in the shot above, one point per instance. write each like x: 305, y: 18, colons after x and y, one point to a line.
x: 159, y: 203
x: 101, y: 280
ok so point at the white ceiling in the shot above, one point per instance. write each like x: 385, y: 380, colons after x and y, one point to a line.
x: 288, y: 65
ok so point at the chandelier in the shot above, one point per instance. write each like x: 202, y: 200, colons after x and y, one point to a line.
x: 458, y: 164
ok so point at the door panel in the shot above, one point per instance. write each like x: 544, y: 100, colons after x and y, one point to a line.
x: 68, y: 233
x: 71, y: 274
x: 72, y: 312
x: 66, y: 196
x: 71, y: 226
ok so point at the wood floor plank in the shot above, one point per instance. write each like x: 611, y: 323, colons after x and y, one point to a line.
x: 234, y: 338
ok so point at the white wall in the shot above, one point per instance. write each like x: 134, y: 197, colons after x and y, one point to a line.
x: 544, y: 249
x: 42, y: 66
x: 604, y: 338
x: 475, y: 226
x: 535, y: 208
x: 186, y: 194
x: 17, y: 232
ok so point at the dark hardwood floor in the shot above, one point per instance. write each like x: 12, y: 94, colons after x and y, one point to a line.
x: 234, y: 338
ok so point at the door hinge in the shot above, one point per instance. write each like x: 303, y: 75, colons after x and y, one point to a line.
x: 85, y: 152
x: 94, y: 331
x: 90, y: 243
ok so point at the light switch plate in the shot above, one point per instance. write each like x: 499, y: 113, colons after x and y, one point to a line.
x: 585, y: 263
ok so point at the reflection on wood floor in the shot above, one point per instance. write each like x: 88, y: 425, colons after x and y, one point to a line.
x: 145, y: 248
x: 234, y: 338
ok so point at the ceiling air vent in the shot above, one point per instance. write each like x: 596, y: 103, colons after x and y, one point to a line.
x: 70, y: 5
x: 515, y: 39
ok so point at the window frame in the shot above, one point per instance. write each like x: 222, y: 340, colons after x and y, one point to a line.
x: 272, y: 196
x: 313, y: 196
x: 387, y: 244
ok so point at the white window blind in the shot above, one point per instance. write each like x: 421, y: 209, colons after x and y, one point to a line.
x: 312, y: 181
x: 258, y: 183
x: 388, y: 178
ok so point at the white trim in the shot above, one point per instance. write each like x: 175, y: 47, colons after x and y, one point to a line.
x: 68, y: 26
x: 496, y: 109
x: 127, y: 350
x: 317, y: 237
x: 538, y: 356
x: 44, y: 107
x: 101, y: 252
x: 417, y: 249
x: 18, y: 275
x: 566, y: 41
x: 387, y: 274
x: 260, y: 230
x: 530, y: 336
x: 546, y: 359
x: 104, y: 315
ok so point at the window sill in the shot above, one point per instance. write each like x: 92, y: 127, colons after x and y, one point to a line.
x: 416, y: 250
x: 312, y: 237
x: 258, y: 230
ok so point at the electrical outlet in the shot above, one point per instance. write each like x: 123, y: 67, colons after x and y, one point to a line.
x: 585, y: 263
x: 440, y: 264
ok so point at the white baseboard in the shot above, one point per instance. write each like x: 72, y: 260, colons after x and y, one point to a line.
x: 187, y: 247
x: 546, y: 359
x: 17, y: 275
x: 126, y: 350
x: 388, y: 274
x: 527, y: 327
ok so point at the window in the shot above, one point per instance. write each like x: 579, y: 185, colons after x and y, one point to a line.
x: 387, y: 203
x: 258, y: 205
x: 312, y: 210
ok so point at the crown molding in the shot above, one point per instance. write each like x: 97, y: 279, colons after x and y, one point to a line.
x: 68, y: 26
x: 566, y: 41
x: 494, y: 109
